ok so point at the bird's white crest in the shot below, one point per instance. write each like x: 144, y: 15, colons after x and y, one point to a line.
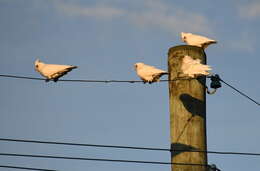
x: 192, y: 67
x: 52, y: 71
x: 148, y: 73
x: 196, y: 40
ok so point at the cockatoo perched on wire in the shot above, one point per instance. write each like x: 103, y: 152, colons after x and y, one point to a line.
x: 52, y: 71
x: 148, y: 73
x: 192, y: 67
x: 196, y: 40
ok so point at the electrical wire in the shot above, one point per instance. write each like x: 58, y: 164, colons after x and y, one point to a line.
x: 89, y: 81
x: 25, y: 168
x: 125, y: 81
x: 20, y: 77
x: 127, y: 147
x: 86, y: 145
x: 99, y: 159
x: 243, y: 94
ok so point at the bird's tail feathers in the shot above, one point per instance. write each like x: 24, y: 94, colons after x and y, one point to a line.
x: 205, y: 45
x: 156, y: 78
x: 164, y: 73
x: 73, y: 67
x: 213, y: 41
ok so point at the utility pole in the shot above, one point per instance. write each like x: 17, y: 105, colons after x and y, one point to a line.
x: 187, y: 111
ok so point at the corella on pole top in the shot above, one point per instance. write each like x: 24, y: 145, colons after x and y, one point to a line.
x: 196, y: 40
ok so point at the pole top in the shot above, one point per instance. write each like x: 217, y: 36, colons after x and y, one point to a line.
x: 186, y: 47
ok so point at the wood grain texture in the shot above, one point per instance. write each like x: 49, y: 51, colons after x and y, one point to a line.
x: 187, y: 110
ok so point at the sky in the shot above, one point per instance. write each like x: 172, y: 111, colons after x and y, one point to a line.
x: 105, y: 38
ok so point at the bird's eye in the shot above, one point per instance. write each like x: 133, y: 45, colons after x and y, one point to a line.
x: 36, y: 66
x: 184, y: 37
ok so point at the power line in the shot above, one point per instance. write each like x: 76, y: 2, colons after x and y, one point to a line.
x: 20, y: 77
x: 99, y: 159
x: 86, y: 145
x: 124, y: 81
x: 127, y: 147
x: 88, y: 81
x: 25, y: 168
x: 240, y: 92
x: 222, y: 152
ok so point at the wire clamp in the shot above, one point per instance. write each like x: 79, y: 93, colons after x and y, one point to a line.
x: 215, y: 84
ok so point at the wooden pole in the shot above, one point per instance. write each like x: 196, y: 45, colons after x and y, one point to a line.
x: 187, y: 111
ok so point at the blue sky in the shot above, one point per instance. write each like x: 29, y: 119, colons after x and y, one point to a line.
x: 104, y: 39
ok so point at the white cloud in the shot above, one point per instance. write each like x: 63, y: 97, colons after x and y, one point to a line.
x: 150, y: 13
x: 250, y: 11
x: 170, y: 18
x: 98, y: 11
x: 157, y: 14
x: 173, y: 23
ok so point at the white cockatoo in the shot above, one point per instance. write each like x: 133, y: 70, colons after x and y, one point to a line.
x: 52, y: 71
x: 148, y: 73
x: 192, y: 67
x: 196, y: 40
